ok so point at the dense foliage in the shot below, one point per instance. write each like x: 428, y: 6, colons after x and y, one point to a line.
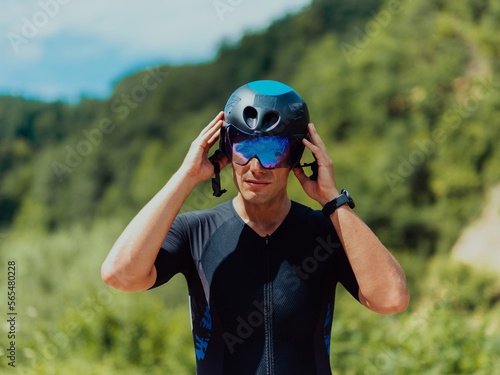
x: 405, y: 94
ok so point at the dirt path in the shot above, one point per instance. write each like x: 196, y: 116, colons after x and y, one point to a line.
x: 479, y: 244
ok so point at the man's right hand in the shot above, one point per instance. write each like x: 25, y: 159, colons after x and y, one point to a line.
x: 196, y: 163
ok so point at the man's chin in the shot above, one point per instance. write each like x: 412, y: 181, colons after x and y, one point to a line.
x: 256, y: 196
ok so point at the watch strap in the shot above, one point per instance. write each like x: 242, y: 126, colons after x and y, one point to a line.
x: 342, y: 199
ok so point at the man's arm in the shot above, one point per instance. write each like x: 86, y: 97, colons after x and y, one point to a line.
x: 381, y: 280
x: 130, y: 264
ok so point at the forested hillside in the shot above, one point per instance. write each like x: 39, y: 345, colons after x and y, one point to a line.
x: 407, y: 99
x: 406, y: 95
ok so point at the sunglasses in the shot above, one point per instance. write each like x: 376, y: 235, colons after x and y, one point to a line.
x: 278, y: 151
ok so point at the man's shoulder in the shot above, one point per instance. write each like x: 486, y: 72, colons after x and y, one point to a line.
x: 312, y: 223
x: 224, y: 208
x: 304, y: 212
x: 219, y: 213
x: 310, y: 219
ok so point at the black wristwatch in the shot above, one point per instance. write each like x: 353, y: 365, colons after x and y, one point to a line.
x: 343, y: 198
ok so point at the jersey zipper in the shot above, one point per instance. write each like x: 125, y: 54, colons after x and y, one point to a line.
x: 268, y: 316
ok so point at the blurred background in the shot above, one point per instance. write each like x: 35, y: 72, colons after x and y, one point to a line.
x: 100, y: 102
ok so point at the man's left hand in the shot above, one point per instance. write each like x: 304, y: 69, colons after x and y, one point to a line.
x: 324, y: 189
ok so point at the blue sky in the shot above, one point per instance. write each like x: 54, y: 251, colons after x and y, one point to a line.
x: 66, y: 49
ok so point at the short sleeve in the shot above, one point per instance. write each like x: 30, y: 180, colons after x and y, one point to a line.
x: 174, y: 256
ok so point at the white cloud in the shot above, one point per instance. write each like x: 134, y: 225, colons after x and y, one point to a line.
x: 187, y: 27
x: 136, y: 31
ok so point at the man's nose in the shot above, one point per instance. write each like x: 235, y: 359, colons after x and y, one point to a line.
x: 255, y: 165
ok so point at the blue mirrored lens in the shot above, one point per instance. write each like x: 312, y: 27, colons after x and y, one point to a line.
x: 272, y: 152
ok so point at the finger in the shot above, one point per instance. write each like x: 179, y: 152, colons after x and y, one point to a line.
x: 317, y: 147
x: 214, y: 136
x: 215, y: 120
x: 315, y: 138
x: 301, y: 175
x: 223, y: 162
x: 311, y: 146
x: 211, y: 135
x: 212, y: 123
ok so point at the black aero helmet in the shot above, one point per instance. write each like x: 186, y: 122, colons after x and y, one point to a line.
x: 266, y: 108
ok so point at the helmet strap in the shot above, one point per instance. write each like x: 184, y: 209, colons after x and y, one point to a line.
x: 314, y: 168
x: 214, y: 159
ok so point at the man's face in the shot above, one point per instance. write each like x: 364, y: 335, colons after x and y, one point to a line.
x: 258, y: 185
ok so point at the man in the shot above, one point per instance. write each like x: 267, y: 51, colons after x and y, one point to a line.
x: 261, y: 269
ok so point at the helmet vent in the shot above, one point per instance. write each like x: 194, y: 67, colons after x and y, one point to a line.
x: 250, y: 116
x: 270, y: 120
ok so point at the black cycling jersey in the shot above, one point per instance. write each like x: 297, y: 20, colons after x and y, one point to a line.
x: 259, y: 305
